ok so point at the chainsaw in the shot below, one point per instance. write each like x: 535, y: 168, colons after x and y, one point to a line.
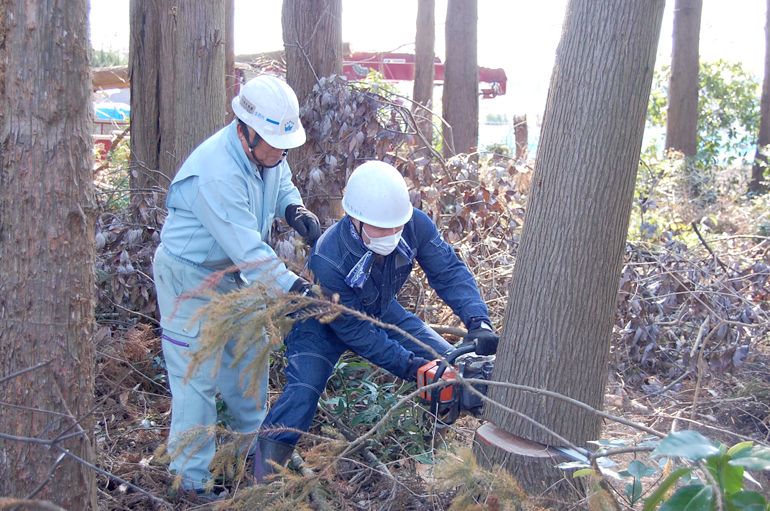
x: 448, y: 402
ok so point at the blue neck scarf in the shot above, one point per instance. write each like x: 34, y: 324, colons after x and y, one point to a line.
x: 359, y: 274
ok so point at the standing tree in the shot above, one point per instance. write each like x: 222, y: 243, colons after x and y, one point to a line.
x: 424, y: 68
x: 231, y: 79
x: 177, y: 72
x: 312, y: 36
x: 559, y: 317
x: 757, y: 184
x: 47, y: 252
x: 460, y: 102
x: 682, y: 117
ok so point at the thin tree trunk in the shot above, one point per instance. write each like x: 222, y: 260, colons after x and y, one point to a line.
x: 144, y: 77
x: 231, y: 79
x: 757, y: 184
x: 460, y: 103
x: 559, y: 318
x: 682, y: 117
x: 424, y: 71
x: 46, y: 250
x: 521, y: 135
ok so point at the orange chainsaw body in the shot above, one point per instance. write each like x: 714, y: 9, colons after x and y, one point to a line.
x: 427, y: 375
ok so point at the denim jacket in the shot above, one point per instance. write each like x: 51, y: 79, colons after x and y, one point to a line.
x: 338, y: 251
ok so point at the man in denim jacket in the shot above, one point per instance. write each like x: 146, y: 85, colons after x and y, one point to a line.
x: 366, y: 258
x: 221, y: 205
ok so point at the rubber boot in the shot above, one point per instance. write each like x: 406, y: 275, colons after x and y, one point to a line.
x: 269, y: 450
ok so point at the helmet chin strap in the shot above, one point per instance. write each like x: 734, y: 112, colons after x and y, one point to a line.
x: 253, y: 144
x: 259, y: 163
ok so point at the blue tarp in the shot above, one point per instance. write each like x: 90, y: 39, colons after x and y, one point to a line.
x: 113, y: 111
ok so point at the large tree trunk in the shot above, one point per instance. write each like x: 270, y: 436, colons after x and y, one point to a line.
x: 312, y: 36
x: 757, y: 184
x: 177, y: 66
x: 559, y: 318
x: 424, y: 72
x: 46, y: 250
x: 460, y: 102
x: 682, y: 117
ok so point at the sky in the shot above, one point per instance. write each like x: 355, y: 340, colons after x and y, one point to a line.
x: 519, y: 36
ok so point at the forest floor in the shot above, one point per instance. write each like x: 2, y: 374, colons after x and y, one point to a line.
x: 132, y: 426
x: 689, y: 351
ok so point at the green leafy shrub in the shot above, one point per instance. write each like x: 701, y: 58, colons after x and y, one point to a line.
x: 709, y: 476
x: 728, y: 110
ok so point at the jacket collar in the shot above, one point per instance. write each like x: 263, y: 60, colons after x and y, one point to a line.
x: 235, y: 144
x: 359, y: 274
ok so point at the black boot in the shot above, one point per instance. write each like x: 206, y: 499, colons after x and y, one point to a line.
x: 269, y: 450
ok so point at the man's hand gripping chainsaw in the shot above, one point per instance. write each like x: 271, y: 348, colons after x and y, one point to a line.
x: 448, y: 401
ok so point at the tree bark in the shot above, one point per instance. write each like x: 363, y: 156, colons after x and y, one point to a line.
x: 757, y: 184
x: 199, y: 78
x: 460, y: 102
x: 682, y: 116
x: 231, y: 79
x: 559, y: 318
x: 177, y: 67
x: 144, y: 76
x: 312, y: 36
x: 47, y: 252
x: 521, y: 135
x: 424, y: 71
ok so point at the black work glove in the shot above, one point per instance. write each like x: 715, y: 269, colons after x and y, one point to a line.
x: 303, y: 288
x: 481, y: 335
x: 304, y: 222
x: 415, y: 363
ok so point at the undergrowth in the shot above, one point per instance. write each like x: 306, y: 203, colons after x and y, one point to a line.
x: 691, y: 319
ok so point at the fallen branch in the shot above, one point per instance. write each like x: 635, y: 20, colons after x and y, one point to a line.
x: 351, y: 436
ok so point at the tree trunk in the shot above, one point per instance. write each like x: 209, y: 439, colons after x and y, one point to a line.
x: 199, y: 78
x: 46, y: 250
x: 144, y: 77
x: 757, y: 184
x: 460, y: 102
x: 521, y: 135
x: 231, y: 79
x: 682, y: 117
x: 559, y: 318
x: 424, y: 72
x: 177, y: 66
x: 312, y: 35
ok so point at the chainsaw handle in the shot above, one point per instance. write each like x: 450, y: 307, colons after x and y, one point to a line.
x: 451, y: 357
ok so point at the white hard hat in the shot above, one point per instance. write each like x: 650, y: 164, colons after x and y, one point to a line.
x: 270, y: 106
x: 376, y: 194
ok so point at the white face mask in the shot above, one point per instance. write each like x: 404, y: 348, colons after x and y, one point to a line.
x: 384, y: 245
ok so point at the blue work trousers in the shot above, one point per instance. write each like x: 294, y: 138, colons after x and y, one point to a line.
x: 193, y: 402
x: 313, y: 349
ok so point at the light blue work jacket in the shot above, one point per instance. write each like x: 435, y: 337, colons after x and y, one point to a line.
x: 221, y: 208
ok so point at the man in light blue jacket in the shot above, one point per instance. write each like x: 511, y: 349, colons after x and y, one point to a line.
x: 221, y: 205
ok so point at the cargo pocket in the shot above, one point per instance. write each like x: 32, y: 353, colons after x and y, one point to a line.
x: 180, y: 339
